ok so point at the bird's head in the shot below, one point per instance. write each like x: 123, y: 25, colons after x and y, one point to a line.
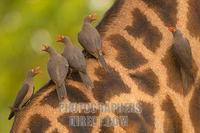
x: 90, y: 18
x: 35, y: 71
x: 176, y: 32
x: 45, y: 47
x: 172, y: 29
x: 62, y: 39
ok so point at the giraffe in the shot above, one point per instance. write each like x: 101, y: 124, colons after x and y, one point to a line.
x: 137, y: 47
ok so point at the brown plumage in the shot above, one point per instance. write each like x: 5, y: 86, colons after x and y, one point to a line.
x: 76, y: 60
x: 25, y: 93
x: 182, y: 52
x: 57, y: 68
x: 90, y: 39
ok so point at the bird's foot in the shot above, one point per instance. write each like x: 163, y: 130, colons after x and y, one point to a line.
x: 69, y: 74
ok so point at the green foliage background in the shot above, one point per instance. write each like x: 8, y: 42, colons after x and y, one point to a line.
x: 24, y: 26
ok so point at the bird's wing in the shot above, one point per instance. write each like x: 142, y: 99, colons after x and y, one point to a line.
x: 64, y: 66
x: 94, y: 34
x: 53, y: 70
x: 188, y: 47
x: 58, y: 68
x: 185, y: 81
x: 81, y: 39
x: 78, y: 60
x: 21, y: 95
x: 85, y: 41
x: 88, y: 39
x: 183, y: 54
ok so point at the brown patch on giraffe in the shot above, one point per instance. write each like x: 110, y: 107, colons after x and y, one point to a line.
x: 194, y: 18
x: 173, y: 72
x: 51, y: 99
x: 142, y: 122
x: 43, y: 89
x: 142, y: 28
x: 109, y: 16
x: 38, y: 124
x: 65, y: 120
x: 194, y: 108
x: 108, y: 85
x: 73, y: 93
x: 55, y: 131
x: 105, y: 127
x: 172, y: 122
x: 166, y: 10
x: 147, y: 81
x: 128, y: 56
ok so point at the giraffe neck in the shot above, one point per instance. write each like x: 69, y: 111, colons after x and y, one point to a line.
x: 144, y: 71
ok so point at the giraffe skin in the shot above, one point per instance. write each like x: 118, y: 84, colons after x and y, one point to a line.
x: 137, y: 47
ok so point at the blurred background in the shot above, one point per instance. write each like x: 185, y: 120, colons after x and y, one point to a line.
x: 24, y: 26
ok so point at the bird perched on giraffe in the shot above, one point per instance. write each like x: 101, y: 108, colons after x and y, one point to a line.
x: 75, y: 59
x: 25, y: 93
x: 183, y: 54
x: 57, y: 68
x: 90, y: 39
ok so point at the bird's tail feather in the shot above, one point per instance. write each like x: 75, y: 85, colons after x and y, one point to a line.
x: 12, y: 113
x: 61, y: 92
x: 102, y: 62
x: 86, y: 80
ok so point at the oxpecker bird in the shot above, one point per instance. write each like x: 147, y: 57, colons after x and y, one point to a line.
x: 183, y: 54
x: 75, y: 59
x: 90, y: 39
x: 57, y: 68
x: 25, y: 93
